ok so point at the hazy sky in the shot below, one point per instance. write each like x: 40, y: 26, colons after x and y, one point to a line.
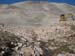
x: 13, y: 1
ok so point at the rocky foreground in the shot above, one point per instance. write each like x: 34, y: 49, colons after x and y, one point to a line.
x: 47, y: 40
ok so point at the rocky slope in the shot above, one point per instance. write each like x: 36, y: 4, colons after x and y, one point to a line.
x: 33, y: 14
x: 52, y: 34
x: 57, y: 37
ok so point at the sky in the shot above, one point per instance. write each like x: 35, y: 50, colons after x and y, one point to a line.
x: 72, y: 2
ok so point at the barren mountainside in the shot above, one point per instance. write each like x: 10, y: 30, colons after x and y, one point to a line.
x: 47, y: 35
x: 33, y: 14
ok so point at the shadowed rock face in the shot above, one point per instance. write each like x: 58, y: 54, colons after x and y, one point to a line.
x: 33, y: 14
x: 6, y: 37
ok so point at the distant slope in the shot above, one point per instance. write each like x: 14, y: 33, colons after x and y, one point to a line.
x: 33, y: 14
